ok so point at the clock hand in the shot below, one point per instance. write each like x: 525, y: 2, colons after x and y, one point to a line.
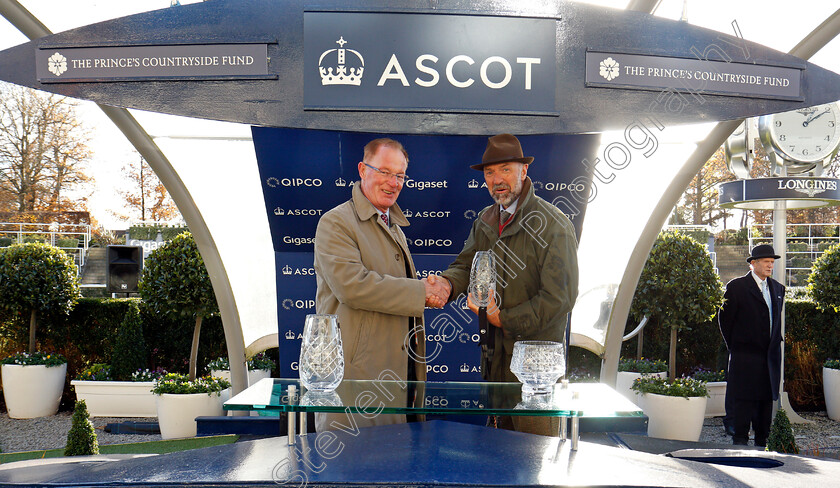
x: 813, y: 117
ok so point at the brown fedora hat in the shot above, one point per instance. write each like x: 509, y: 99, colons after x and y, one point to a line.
x: 502, y: 148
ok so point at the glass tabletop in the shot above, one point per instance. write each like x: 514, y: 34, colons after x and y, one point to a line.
x: 417, y: 397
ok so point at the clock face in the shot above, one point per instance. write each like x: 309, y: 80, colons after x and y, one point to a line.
x: 806, y: 135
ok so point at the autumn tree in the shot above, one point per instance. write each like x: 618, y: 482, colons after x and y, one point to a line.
x: 147, y: 198
x: 43, y: 152
x: 699, y: 204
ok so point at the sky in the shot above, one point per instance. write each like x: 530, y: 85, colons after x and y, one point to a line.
x: 773, y: 23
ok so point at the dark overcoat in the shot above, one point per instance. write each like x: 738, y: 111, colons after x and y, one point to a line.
x: 755, y: 353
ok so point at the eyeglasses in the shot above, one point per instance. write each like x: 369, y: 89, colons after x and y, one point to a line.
x: 387, y: 174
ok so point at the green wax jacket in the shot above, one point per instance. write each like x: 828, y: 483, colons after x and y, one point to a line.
x: 537, y: 274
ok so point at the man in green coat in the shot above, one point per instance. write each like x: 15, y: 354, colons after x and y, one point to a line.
x: 536, y: 264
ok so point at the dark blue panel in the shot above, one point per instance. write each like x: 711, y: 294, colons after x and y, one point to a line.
x: 306, y: 173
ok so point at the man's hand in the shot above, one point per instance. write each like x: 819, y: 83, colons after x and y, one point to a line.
x: 493, y: 312
x: 437, y: 291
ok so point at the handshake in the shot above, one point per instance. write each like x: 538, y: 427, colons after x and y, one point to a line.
x: 437, y: 290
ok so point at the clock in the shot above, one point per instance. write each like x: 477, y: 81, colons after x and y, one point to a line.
x: 803, y: 137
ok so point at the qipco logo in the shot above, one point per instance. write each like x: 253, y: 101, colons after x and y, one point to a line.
x: 430, y: 242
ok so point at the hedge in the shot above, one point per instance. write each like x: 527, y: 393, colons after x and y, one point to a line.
x: 87, y: 336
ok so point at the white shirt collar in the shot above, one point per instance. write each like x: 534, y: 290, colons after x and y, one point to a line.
x: 758, y: 281
x: 512, y: 209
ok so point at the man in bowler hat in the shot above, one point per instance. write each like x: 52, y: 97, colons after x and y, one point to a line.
x: 536, y: 262
x: 751, y: 323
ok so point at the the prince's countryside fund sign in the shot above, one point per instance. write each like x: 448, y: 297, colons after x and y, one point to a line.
x: 699, y: 75
x: 421, y: 62
x: 190, y: 62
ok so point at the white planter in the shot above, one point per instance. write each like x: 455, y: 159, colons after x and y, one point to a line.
x: 254, y: 375
x: 117, y: 398
x: 625, y: 380
x: 675, y: 418
x: 831, y: 390
x: 32, y: 391
x: 176, y: 413
x: 715, y: 404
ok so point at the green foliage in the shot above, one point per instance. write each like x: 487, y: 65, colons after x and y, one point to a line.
x: 150, y: 232
x: 781, y: 435
x: 5, y: 241
x: 678, y: 286
x: 35, y: 358
x: 37, y: 278
x: 797, y: 246
x: 642, y: 365
x: 175, y: 281
x: 800, y: 262
x: 147, y: 375
x: 261, y: 361
x: 824, y: 281
x: 832, y: 364
x: 71, y: 243
x: 733, y: 237
x: 258, y: 361
x: 96, y: 372
x: 680, y: 387
x: 81, y: 440
x: 129, y: 352
x: 703, y: 374
x: 181, y: 384
x: 814, y: 335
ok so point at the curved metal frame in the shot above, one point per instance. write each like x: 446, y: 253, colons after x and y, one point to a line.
x: 806, y: 48
x: 30, y: 26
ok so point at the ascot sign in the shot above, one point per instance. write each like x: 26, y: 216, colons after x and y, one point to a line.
x: 419, y: 62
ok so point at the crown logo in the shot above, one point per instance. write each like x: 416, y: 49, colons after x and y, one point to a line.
x: 341, y: 74
x: 287, y: 270
x: 407, y: 213
x: 279, y: 211
x: 340, y: 182
x: 465, y: 368
x: 290, y: 334
x: 472, y: 184
x: 465, y: 404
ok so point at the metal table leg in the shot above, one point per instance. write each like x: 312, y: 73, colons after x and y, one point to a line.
x: 564, y: 428
x: 302, y: 423
x: 292, y: 422
x: 575, y: 432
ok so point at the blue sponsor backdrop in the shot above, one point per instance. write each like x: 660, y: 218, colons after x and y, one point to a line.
x: 305, y: 173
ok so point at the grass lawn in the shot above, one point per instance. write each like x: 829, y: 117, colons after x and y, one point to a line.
x: 155, y: 447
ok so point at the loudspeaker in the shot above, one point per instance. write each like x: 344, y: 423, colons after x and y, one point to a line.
x: 125, y: 263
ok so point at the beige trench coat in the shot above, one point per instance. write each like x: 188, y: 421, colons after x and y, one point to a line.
x: 360, y: 266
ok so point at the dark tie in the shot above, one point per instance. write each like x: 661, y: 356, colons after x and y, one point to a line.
x: 504, y: 215
x: 384, y: 219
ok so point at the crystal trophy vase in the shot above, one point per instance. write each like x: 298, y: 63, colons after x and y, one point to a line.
x: 538, y: 365
x: 321, y: 365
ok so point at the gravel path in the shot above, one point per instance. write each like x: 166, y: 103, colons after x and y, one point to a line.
x: 51, y: 432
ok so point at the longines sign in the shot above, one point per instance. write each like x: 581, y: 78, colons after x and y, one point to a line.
x: 421, y: 62
x: 799, y: 192
x: 206, y: 61
x: 692, y: 75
